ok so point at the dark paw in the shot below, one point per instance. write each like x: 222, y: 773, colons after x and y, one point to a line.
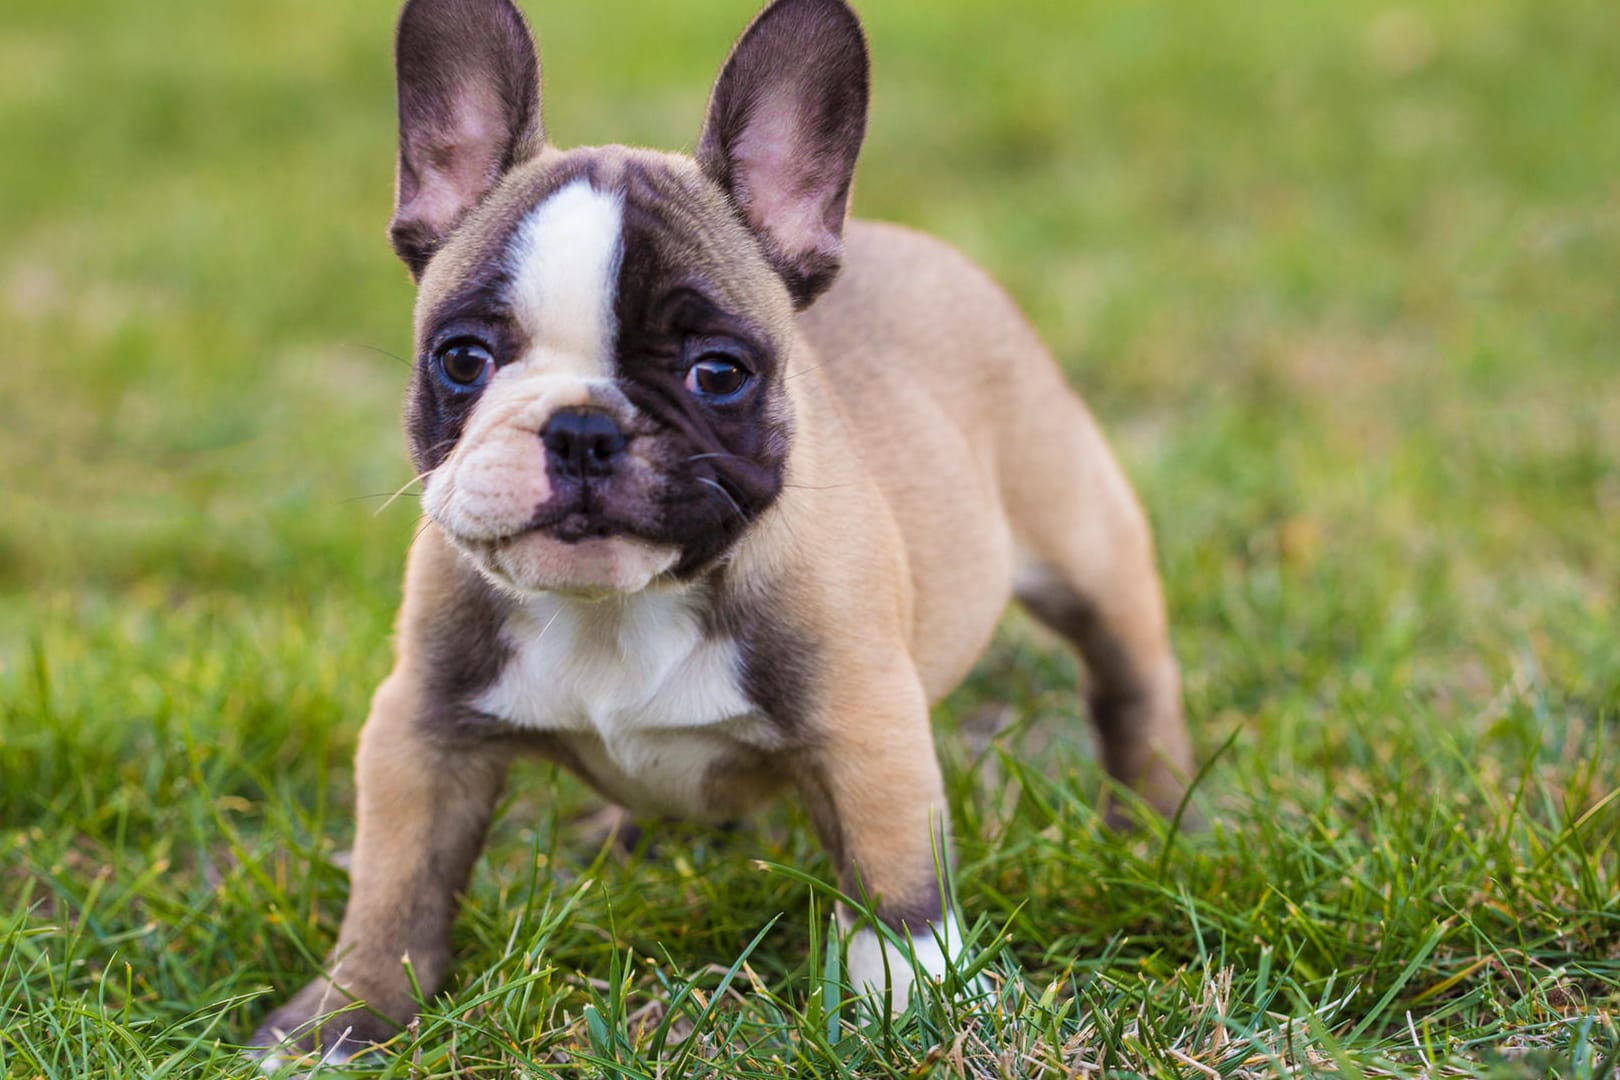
x: 320, y: 1025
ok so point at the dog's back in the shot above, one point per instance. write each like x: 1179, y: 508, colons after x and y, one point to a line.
x: 943, y: 384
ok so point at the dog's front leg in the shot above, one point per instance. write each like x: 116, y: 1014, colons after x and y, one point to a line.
x: 875, y: 793
x: 424, y: 802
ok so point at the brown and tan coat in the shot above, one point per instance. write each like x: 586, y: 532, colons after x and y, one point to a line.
x: 722, y: 495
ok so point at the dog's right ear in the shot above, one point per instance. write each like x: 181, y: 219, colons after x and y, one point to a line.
x: 469, y: 110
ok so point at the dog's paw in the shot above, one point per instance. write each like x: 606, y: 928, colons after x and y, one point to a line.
x: 884, y: 967
x: 320, y: 1025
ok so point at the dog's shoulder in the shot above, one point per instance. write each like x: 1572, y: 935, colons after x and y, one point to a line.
x: 902, y: 291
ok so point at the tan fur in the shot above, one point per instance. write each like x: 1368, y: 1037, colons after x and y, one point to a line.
x: 938, y: 455
x: 975, y: 462
x: 991, y: 467
x: 422, y: 809
x: 939, y: 464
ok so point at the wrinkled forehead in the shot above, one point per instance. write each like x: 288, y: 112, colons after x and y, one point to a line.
x: 571, y: 242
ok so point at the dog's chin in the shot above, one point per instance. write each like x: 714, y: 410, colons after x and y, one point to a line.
x: 537, y: 562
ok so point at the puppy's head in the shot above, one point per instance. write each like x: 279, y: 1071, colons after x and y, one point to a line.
x: 602, y: 334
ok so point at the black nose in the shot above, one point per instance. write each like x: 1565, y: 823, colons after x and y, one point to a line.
x: 582, y: 442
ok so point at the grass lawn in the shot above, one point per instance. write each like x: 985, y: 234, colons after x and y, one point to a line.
x: 1341, y: 281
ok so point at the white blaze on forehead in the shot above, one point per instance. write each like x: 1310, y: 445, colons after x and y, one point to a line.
x: 564, y: 261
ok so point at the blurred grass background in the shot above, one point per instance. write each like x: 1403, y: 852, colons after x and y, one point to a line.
x: 1340, y: 279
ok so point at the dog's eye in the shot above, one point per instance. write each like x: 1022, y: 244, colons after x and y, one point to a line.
x: 717, y: 377
x: 465, y: 363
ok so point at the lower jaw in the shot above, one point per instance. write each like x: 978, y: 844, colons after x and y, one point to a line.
x: 536, y: 562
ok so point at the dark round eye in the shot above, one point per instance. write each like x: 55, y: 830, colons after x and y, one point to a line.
x: 465, y: 363
x: 717, y: 377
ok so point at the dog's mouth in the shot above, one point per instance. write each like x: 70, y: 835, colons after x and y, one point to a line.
x: 566, y: 521
x: 572, y: 553
x: 570, y: 530
x: 578, y: 520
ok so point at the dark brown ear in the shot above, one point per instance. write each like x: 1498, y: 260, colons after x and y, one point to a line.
x: 785, y: 124
x: 469, y: 109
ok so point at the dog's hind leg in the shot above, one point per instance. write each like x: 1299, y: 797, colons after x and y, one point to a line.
x: 1086, y: 570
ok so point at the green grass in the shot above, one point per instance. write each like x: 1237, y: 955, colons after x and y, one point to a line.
x: 1340, y: 279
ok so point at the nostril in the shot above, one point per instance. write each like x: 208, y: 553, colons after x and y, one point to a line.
x: 559, y: 443
x: 605, y: 445
x: 582, y: 442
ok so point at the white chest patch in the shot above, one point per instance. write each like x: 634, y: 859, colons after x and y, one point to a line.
x: 646, y: 700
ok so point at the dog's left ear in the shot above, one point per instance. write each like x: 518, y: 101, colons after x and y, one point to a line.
x: 469, y: 110
x: 784, y: 128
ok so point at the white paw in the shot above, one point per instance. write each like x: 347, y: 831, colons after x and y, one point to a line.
x: 272, y: 1063
x: 878, y: 965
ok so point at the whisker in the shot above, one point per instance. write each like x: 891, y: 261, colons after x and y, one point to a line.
x: 419, y: 477
x: 786, y: 519
x: 555, y: 615
x: 380, y: 352
x: 374, y: 495
x: 806, y: 371
x: 736, y: 457
x: 441, y: 444
x: 726, y: 495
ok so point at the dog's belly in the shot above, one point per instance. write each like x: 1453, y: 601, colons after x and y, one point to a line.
x: 638, y: 699
x: 693, y: 774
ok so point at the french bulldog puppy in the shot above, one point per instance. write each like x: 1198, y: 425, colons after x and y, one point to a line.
x: 722, y: 492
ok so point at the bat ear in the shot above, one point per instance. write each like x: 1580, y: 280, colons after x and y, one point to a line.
x: 469, y: 110
x: 785, y: 124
